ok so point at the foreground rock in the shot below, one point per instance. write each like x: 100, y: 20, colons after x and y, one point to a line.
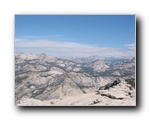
x: 117, y: 95
x: 90, y: 99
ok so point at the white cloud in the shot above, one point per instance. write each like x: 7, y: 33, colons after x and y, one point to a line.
x: 57, y: 48
x: 41, y: 37
x: 130, y: 46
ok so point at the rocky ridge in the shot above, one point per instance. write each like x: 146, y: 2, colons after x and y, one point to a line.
x: 42, y: 79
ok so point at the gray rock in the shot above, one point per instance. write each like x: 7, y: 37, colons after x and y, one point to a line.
x: 107, y: 86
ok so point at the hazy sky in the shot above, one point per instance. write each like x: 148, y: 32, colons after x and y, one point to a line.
x: 76, y: 35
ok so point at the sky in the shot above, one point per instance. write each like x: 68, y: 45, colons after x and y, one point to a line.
x: 76, y: 35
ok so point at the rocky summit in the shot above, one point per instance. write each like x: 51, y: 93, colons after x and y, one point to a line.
x: 43, y: 80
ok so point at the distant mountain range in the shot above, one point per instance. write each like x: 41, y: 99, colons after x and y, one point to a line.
x: 43, y: 77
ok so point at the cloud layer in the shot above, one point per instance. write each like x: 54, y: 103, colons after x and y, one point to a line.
x: 57, y: 48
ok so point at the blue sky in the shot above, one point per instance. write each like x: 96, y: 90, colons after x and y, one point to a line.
x: 87, y: 33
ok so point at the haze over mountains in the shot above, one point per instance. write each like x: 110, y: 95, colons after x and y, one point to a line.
x: 41, y: 79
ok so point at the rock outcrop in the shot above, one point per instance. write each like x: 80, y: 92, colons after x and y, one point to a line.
x: 109, y: 85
